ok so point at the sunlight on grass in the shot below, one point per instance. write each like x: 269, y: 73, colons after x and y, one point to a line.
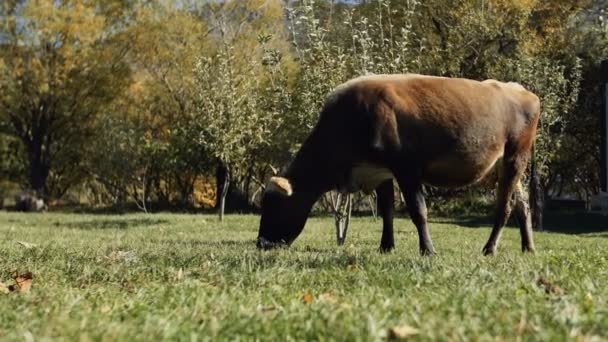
x: 147, y: 277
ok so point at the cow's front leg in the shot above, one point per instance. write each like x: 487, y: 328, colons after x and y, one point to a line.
x: 386, y: 207
x: 414, y: 199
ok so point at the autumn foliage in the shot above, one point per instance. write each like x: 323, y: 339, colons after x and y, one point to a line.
x: 115, y: 102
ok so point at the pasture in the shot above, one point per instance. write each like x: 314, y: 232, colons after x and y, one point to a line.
x: 189, y: 277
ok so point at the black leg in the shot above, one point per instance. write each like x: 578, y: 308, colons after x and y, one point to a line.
x: 386, y: 207
x: 414, y: 199
x: 512, y: 168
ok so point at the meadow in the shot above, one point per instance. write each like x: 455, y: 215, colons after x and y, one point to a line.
x: 189, y: 277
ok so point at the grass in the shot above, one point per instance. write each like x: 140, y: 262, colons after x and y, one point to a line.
x: 104, y: 277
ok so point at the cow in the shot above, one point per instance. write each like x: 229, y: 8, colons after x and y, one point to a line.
x: 416, y: 129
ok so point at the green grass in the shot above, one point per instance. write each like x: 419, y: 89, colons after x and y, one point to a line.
x: 103, y: 277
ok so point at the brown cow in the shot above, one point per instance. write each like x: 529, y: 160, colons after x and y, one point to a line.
x: 445, y: 132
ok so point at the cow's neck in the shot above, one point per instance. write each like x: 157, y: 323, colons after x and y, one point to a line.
x: 314, y: 170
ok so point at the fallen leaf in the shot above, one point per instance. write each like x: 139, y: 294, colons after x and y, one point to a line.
x: 179, y: 275
x: 327, y: 297
x: 307, y: 298
x: 267, y: 308
x: 105, y: 309
x: 550, y: 287
x: 402, y: 332
x: 28, y: 336
x: 351, y: 267
x: 27, y: 245
x: 23, y: 283
x: 4, y: 288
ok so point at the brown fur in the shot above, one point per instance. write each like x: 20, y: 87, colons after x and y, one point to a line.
x: 440, y: 131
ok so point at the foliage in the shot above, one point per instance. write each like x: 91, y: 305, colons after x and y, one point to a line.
x: 59, y: 65
x: 188, y: 86
x: 234, y: 115
x: 152, y: 121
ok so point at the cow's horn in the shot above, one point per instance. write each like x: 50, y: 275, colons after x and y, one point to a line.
x: 280, y: 185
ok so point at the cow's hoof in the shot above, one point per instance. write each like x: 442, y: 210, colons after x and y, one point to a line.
x: 488, y: 250
x: 386, y: 249
x: 529, y: 250
x: 264, y: 244
x: 427, y: 252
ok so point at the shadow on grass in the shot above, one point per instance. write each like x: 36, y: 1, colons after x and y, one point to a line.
x: 202, y: 243
x: 153, y: 207
x: 565, y: 222
x: 118, y: 223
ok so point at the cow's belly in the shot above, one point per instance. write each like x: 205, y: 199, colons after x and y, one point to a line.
x: 457, y: 170
x: 366, y: 177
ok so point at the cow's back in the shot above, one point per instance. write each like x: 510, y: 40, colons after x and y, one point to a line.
x: 435, y: 123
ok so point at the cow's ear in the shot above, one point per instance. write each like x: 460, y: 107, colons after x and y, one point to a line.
x: 279, y: 185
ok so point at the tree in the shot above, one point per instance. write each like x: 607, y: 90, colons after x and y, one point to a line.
x: 60, y: 63
x: 166, y: 41
x: 233, y: 119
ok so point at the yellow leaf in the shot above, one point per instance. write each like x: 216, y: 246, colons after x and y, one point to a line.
x: 307, y: 298
x: 402, y: 332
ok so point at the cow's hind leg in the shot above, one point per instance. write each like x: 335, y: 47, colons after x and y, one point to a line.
x: 512, y: 168
x: 386, y: 206
x: 524, y: 219
x: 414, y: 199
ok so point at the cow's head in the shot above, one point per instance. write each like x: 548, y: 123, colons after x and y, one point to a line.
x: 284, y: 213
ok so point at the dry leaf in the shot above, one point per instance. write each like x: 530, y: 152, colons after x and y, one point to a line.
x: 327, y: 297
x: 23, y: 283
x: 267, y: 308
x: 550, y: 287
x: 105, y: 309
x: 27, y: 245
x: 307, y: 298
x: 351, y: 267
x: 402, y: 332
x: 179, y: 275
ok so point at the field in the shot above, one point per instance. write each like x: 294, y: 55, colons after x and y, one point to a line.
x: 189, y: 277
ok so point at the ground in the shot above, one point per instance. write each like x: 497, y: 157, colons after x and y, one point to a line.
x: 189, y: 277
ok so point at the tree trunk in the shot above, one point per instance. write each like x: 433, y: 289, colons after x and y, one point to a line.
x: 221, y: 172
x: 223, y: 183
x: 342, y: 210
x: 373, y: 203
x: 537, y: 202
x: 248, y: 180
x: 223, y: 196
x: 38, y: 170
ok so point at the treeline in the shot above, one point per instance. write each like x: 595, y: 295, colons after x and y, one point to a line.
x: 178, y: 103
